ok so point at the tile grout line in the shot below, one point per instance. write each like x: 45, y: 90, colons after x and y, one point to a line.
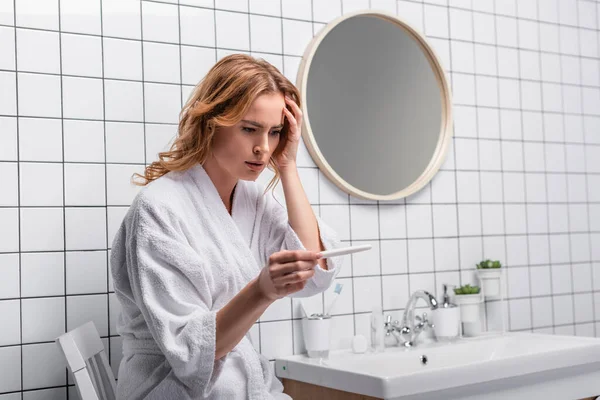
x: 351, y: 238
x: 380, y: 275
x: 526, y: 210
x: 19, y: 230
x: 458, y: 71
x: 312, y: 17
x: 450, y: 78
x: 478, y: 172
x: 431, y: 205
x: 546, y: 181
x: 504, y: 305
x: 566, y: 177
x: 91, y: 294
x: 64, y: 189
x: 108, y: 245
x: 143, y: 74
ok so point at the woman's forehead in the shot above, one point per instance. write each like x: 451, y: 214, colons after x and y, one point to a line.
x: 267, y: 110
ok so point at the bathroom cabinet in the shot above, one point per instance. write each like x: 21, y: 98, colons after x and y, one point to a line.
x: 306, y: 391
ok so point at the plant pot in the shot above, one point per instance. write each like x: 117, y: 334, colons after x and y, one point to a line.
x: 491, y: 280
x: 469, y: 306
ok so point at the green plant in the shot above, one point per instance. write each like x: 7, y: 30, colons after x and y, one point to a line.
x: 466, y: 289
x: 487, y: 264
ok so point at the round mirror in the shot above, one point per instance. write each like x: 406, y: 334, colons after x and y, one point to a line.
x: 376, y: 106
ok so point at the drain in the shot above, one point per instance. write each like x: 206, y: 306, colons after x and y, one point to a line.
x: 424, y: 359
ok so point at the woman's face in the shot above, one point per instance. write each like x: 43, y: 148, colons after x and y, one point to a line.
x: 244, y: 150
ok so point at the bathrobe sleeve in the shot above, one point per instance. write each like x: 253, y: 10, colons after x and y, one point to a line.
x: 278, y: 235
x: 171, y: 288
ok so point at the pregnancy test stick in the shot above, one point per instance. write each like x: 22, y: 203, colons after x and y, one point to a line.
x: 345, y: 250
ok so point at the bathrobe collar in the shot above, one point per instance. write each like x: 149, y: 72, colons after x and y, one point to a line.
x: 230, y: 223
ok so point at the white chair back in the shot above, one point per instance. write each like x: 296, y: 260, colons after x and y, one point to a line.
x: 87, y: 360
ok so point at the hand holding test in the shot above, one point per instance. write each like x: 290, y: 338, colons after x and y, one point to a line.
x: 345, y: 250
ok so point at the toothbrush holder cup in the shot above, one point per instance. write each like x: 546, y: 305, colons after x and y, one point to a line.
x: 316, y: 330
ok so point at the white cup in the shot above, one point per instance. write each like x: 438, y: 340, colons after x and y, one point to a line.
x: 446, y: 323
x: 317, y: 334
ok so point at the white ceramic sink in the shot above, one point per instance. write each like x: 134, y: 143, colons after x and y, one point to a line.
x: 509, y: 366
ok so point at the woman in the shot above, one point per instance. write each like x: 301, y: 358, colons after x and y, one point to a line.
x: 203, y: 251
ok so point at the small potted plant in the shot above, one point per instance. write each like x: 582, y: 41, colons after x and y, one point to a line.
x: 468, y: 298
x: 490, y: 274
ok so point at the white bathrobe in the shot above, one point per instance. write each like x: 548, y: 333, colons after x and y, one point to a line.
x: 178, y: 258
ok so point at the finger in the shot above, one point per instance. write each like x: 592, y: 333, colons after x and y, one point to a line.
x: 294, y: 105
x: 290, y: 117
x: 294, y: 277
x: 285, y: 256
x: 291, y: 267
x: 298, y: 265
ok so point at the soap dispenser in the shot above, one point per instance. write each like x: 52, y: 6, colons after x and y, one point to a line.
x: 377, y: 333
x: 446, y: 319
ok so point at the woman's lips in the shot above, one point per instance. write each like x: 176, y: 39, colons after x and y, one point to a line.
x: 254, y: 166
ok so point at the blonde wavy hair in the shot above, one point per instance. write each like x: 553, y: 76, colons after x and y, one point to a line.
x: 221, y: 99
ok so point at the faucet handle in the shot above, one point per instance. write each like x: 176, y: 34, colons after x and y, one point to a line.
x: 388, y: 321
x: 390, y: 325
x: 424, y: 322
x: 387, y: 325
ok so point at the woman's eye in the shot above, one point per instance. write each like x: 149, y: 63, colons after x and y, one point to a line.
x: 252, y: 130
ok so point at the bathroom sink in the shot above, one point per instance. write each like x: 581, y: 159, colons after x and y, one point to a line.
x: 512, y: 365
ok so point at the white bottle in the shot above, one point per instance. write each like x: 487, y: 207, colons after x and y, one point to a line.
x: 377, y: 333
x: 446, y: 319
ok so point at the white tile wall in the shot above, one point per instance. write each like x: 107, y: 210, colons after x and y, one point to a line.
x: 91, y: 92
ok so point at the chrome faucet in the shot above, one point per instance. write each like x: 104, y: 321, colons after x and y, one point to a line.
x: 408, y: 331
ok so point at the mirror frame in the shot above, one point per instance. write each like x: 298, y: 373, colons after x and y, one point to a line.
x: 445, y: 135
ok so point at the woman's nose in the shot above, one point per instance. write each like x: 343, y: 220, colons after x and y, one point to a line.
x: 263, y: 145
